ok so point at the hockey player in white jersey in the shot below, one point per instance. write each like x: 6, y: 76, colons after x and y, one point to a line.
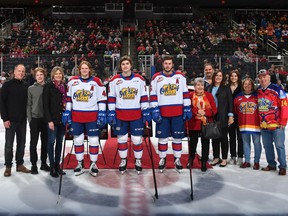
x: 86, y: 107
x: 170, y: 108
x: 128, y: 111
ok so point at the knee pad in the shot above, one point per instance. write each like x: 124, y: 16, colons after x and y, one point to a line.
x: 136, y: 139
x: 93, y: 140
x: 79, y: 140
x: 163, y: 140
x: 176, y: 140
x: 122, y: 138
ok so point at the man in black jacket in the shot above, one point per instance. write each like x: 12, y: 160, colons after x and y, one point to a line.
x: 13, y: 113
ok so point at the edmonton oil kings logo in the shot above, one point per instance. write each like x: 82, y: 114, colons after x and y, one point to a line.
x: 169, y: 89
x: 128, y: 93
x: 82, y: 95
x: 247, y: 107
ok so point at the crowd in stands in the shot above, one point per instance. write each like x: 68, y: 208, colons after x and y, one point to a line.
x: 64, y: 42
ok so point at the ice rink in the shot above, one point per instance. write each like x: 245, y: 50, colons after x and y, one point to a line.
x: 219, y: 191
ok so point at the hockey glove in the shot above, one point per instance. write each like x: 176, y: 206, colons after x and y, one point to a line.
x: 187, y: 113
x: 156, y: 116
x: 102, y: 119
x: 146, y: 115
x: 111, y: 118
x: 66, y: 117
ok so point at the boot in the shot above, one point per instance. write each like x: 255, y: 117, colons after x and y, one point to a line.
x: 123, y: 165
x: 138, y: 165
x: 162, y: 164
x: 79, y: 168
x: 203, y: 166
x: 53, y: 171
x: 59, y: 170
x: 178, y: 165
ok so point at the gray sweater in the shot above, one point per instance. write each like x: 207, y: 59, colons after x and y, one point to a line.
x: 35, y: 101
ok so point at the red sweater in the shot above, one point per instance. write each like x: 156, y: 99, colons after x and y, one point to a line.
x: 195, y: 123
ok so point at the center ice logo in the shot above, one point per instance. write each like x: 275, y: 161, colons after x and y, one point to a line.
x: 169, y: 89
x: 82, y: 95
x: 128, y: 93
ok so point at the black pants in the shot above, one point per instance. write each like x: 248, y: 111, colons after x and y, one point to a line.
x: 38, y: 125
x: 221, y: 142
x: 234, y: 134
x: 193, y: 145
x: 18, y: 128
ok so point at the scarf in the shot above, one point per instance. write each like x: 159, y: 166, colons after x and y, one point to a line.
x: 202, y: 103
x: 62, y: 89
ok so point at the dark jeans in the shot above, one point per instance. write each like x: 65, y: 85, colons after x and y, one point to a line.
x: 223, y: 141
x: 193, y: 145
x: 38, y: 125
x: 234, y: 134
x: 56, y: 135
x: 18, y: 128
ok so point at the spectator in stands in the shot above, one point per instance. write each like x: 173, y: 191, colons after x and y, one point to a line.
x: 35, y: 115
x: 224, y: 102
x: 181, y: 55
x: 273, y: 113
x: 54, y: 102
x: 276, y: 77
x: 13, y: 113
x: 188, y: 80
x: 235, y: 138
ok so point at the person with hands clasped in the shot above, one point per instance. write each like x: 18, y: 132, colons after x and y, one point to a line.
x: 54, y: 102
x: 85, y: 111
x: 203, y: 109
x: 170, y: 108
x: 128, y: 111
x: 224, y: 103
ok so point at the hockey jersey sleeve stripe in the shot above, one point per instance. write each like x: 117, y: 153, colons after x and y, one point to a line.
x: 186, y: 95
x: 68, y: 99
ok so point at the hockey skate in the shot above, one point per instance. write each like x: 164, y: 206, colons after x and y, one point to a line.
x: 178, y: 165
x: 138, y: 165
x: 93, y: 170
x: 79, y: 169
x: 162, y: 164
x: 123, y: 165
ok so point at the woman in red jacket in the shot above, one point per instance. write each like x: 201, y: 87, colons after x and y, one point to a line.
x: 203, y: 107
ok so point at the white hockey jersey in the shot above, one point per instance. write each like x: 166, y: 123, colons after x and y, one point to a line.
x: 169, y: 93
x: 127, y: 96
x: 85, y: 98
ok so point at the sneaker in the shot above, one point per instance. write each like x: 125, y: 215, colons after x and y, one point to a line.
x: 239, y: 161
x: 245, y: 165
x: 138, y: 165
x: 93, y: 170
x: 162, y: 164
x: 7, y: 172
x: 178, y: 164
x: 282, y: 171
x: 232, y: 161
x: 269, y: 168
x: 79, y: 168
x: 45, y: 167
x: 256, y: 166
x: 22, y: 168
x: 34, y: 169
x: 123, y: 165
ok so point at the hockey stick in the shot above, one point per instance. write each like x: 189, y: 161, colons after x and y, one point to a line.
x: 62, y: 165
x: 190, y: 161
x: 152, y: 162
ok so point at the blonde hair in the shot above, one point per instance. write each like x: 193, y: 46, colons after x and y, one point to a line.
x: 39, y: 69
x: 91, y: 71
x: 55, y: 69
